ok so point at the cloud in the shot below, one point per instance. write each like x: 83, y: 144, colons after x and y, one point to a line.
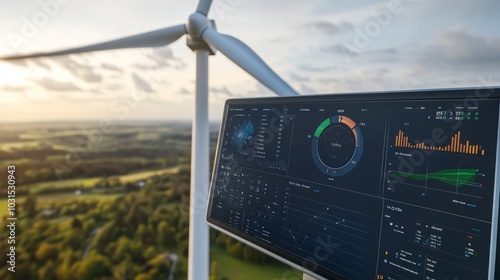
x: 184, y: 91
x: 42, y: 64
x: 306, y: 90
x: 111, y: 67
x: 389, y: 51
x: 298, y: 78
x: 377, y: 74
x: 457, y: 50
x: 13, y: 88
x: 17, y: 62
x: 372, y: 56
x: 260, y: 90
x: 312, y: 68
x: 328, y: 80
x: 181, y: 65
x: 95, y: 90
x: 339, y: 49
x: 161, y: 57
x: 141, y: 84
x: 389, y: 55
x: 143, y: 66
x: 374, y: 79
x: 54, y: 85
x: 344, y: 50
x: 85, y: 72
x: 114, y: 87
x: 163, y: 52
x: 223, y: 90
x: 328, y: 28
x: 465, y: 8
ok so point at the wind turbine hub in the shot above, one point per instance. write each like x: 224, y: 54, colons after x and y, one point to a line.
x: 197, y: 24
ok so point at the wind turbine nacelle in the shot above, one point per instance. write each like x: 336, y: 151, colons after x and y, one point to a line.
x: 197, y: 24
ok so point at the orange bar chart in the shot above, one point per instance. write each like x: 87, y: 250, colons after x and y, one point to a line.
x: 456, y: 146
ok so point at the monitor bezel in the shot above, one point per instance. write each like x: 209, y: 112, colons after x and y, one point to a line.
x: 474, y: 93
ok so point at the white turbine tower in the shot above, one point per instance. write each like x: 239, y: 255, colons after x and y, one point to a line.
x: 204, y: 40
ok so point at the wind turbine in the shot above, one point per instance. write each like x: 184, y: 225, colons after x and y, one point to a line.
x: 204, y: 40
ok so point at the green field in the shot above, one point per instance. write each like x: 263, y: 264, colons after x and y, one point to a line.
x: 90, y: 182
x: 44, y: 199
x: 133, y: 177
x: 236, y: 269
x: 8, y: 147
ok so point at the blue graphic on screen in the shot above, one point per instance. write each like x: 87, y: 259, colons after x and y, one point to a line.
x: 243, y: 134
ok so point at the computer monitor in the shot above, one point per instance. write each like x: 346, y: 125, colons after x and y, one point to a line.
x: 387, y: 185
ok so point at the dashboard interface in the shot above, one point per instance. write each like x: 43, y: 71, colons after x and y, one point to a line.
x: 364, y: 186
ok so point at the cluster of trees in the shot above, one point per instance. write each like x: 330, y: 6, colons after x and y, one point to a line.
x: 125, y: 238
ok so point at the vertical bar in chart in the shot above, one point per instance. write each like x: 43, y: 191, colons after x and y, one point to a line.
x: 455, y: 146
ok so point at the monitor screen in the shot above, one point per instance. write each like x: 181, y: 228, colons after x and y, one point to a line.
x: 392, y: 185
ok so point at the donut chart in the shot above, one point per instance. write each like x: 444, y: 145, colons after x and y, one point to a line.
x: 337, y: 146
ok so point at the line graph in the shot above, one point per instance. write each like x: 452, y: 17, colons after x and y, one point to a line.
x: 341, y: 223
x: 454, y: 177
x: 457, y: 181
x: 312, y: 225
x: 305, y: 224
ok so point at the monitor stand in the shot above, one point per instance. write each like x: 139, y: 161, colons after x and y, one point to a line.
x: 308, y: 277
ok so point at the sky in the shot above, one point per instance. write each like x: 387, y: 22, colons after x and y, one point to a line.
x: 317, y: 46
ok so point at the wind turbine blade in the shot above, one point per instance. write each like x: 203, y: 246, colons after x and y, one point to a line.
x: 204, y: 6
x: 157, y: 38
x: 247, y: 59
